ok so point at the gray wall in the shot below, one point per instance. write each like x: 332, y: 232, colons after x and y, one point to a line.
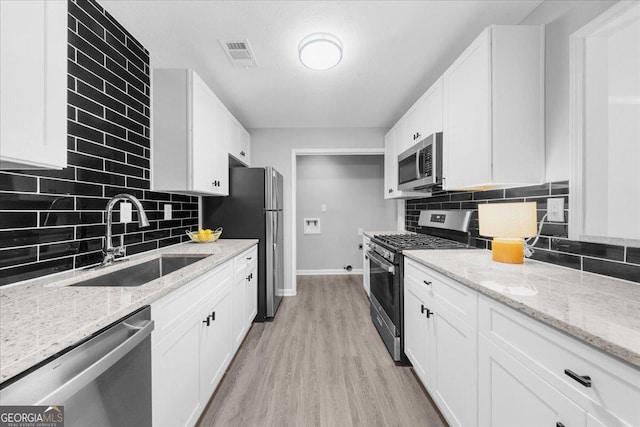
x: 350, y: 187
x: 272, y: 147
x: 562, y: 18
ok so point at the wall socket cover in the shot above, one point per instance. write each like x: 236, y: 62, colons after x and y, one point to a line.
x: 555, y: 209
x: 167, y: 212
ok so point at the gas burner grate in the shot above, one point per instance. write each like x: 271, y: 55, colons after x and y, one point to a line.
x: 417, y: 241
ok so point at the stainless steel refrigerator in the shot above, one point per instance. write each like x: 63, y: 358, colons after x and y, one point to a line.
x: 253, y: 209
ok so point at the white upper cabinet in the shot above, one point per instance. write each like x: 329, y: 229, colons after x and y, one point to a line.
x: 33, y: 83
x: 238, y: 142
x: 424, y: 118
x: 189, y: 137
x: 493, y: 110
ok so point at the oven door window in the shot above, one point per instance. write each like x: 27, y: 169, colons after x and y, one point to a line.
x: 383, y: 288
x: 407, y: 169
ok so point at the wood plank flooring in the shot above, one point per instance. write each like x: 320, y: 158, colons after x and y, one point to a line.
x: 320, y: 363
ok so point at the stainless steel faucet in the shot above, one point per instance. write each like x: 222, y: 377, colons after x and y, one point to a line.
x: 110, y: 252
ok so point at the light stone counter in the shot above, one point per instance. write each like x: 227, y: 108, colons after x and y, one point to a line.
x: 603, y: 311
x: 40, y: 317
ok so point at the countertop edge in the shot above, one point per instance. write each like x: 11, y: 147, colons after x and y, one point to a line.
x: 28, y: 361
x: 612, y: 349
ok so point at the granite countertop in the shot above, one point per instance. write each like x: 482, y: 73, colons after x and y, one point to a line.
x: 603, y: 311
x: 41, y: 317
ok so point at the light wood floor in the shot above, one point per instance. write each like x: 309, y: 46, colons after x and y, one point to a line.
x: 320, y: 363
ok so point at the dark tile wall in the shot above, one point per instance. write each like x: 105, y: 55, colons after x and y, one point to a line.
x: 54, y: 220
x: 554, y: 246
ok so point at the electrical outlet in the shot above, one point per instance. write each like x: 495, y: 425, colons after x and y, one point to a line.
x: 125, y: 212
x: 359, y: 231
x: 167, y: 211
x: 555, y: 209
x: 323, y: 208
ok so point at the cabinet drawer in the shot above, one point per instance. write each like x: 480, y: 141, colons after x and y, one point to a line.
x: 170, y: 310
x: 614, y: 394
x: 246, y: 261
x: 459, y: 299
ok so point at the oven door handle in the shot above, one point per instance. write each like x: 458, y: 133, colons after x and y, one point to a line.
x: 389, y: 268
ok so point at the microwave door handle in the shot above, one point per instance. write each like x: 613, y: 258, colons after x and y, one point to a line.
x: 418, y: 175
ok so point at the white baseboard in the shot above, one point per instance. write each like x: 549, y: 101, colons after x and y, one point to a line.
x: 327, y: 272
x: 287, y: 293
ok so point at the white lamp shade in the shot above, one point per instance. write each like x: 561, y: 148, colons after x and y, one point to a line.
x: 320, y: 51
x: 508, y: 219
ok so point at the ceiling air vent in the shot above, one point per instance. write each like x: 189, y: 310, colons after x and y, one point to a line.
x: 239, y: 53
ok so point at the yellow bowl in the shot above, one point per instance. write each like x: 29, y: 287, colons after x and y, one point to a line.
x: 215, y: 235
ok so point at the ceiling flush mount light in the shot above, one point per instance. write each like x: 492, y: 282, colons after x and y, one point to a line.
x: 320, y: 51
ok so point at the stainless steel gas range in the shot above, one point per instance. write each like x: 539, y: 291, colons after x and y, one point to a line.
x: 386, y: 270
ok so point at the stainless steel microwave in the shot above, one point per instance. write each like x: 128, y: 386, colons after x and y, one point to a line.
x: 420, y: 167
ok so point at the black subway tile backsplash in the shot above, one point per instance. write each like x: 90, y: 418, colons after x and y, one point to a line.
x: 615, y: 269
x: 553, y: 246
x: 53, y: 220
x: 633, y: 255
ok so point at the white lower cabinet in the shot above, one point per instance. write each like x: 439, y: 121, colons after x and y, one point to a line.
x: 441, y: 346
x: 418, y: 331
x: 366, y: 282
x: 511, y: 395
x: 455, y: 375
x: 195, y: 339
x: 486, y: 364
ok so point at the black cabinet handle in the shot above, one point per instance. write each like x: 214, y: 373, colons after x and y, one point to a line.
x: 582, y: 379
x: 426, y: 282
x: 425, y: 310
x: 390, y: 191
x: 242, y: 153
x: 249, y: 258
x: 212, y: 316
x: 559, y: 424
x: 207, y: 321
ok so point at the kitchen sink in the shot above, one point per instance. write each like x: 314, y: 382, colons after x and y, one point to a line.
x: 145, y: 272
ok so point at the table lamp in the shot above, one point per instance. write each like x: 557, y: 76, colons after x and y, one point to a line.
x: 508, y: 224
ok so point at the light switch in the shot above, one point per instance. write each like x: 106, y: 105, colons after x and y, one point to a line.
x: 125, y: 212
x: 323, y: 208
x: 167, y: 211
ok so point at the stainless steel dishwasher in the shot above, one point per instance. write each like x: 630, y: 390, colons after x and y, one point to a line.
x: 104, y: 380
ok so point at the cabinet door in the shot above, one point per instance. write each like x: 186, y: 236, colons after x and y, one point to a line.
x: 176, y: 376
x: 215, y: 342
x: 431, y: 110
x: 239, y: 309
x: 208, y: 159
x: 467, y: 116
x: 390, y: 165
x: 455, y: 377
x: 418, y: 331
x: 243, y: 146
x: 252, y: 297
x: 366, y: 283
x: 33, y: 83
x: 512, y: 395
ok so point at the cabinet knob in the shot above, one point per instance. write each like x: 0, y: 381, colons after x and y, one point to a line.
x: 559, y: 424
x: 242, y: 153
x: 212, y: 316
x: 426, y: 282
x: 207, y: 320
x: 585, y: 380
x: 390, y: 190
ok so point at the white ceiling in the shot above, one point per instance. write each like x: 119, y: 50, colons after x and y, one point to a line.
x: 393, y: 51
